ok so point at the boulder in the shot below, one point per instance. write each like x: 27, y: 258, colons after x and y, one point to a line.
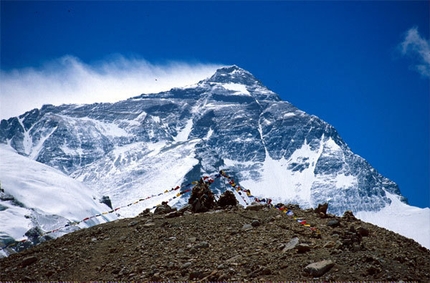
x: 348, y: 215
x: 255, y: 207
x: 319, y: 268
x: 226, y: 199
x: 303, y: 248
x: 333, y: 223
x: 363, y: 231
x: 202, y: 199
x: 28, y: 260
x: 322, y: 209
x: 172, y: 214
x: 164, y: 208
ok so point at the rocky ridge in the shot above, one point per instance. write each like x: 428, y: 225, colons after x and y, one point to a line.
x: 259, y: 242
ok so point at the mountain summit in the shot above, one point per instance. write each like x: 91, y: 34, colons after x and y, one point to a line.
x: 233, y: 74
x: 151, y: 143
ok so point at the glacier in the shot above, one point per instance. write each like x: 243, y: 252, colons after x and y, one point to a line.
x: 230, y: 121
x: 36, y: 195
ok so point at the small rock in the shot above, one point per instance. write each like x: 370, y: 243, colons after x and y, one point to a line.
x: 28, y: 260
x: 186, y: 265
x: 246, y: 227
x: 49, y: 273
x: 195, y: 275
x: 319, y: 268
x: 163, y: 209
x: 329, y: 244
x: 348, y: 215
x: 333, y: 223
x: 145, y: 213
x: 254, y: 207
x: 156, y: 277
x: 172, y: 214
x: 363, y: 231
x: 291, y: 244
x: 236, y: 258
x: 223, y: 277
x: 302, y: 248
x: 356, y: 247
x: 266, y: 271
x: 255, y: 223
x: 133, y: 223
x: 193, y: 251
x: 202, y: 245
x: 322, y: 209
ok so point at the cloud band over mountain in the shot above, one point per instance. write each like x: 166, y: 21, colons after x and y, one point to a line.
x: 69, y: 80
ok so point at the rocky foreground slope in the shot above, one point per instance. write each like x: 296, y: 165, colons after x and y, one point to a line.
x: 233, y: 244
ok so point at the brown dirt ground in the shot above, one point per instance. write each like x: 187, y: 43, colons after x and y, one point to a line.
x: 222, y: 245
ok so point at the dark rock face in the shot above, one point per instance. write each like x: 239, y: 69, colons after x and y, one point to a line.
x: 202, y: 199
x: 226, y: 199
x: 106, y: 200
x: 322, y: 209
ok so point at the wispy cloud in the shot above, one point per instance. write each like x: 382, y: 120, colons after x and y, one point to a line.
x: 417, y: 48
x: 69, y: 80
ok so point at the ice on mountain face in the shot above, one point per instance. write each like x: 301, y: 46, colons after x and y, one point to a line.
x: 287, y: 181
x: 39, y: 196
x: 231, y: 124
x: 14, y: 223
x: 345, y: 181
x: 185, y: 132
x: 123, y: 177
x: 238, y: 89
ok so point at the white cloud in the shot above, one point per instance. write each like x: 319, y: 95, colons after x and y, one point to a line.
x: 68, y: 80
x: 418, y: 48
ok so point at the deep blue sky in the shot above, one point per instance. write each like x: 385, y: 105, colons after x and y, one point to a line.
x: 340, y: 61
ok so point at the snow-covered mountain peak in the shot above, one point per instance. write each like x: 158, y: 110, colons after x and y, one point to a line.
x: 230, y: 121
x: 232, y: 74
x: 235, y: 81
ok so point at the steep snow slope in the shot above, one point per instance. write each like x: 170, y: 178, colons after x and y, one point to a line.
x: 125, y: 179
x: 409, y: 221
x: 36, y: 195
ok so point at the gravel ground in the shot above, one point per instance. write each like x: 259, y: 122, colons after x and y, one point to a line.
x: 234, y: 244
